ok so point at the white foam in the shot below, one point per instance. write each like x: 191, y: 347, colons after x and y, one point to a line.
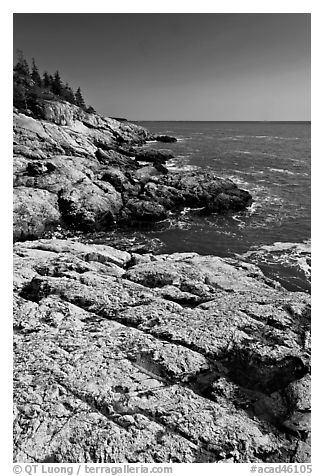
x: 304, y: 247
x: 285, y: 138
x: 245, y: 152
x: 181, y: 167
x: 283, y: 171
x: 295, y: 255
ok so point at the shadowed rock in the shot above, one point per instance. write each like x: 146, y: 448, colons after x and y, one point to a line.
x: 164, y: 138
x: 143, y: 210
x: 155, y: 156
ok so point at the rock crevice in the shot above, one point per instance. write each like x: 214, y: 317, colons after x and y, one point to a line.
x: 108, y: 370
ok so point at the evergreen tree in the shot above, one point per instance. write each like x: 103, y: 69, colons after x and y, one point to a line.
x: 51, y: 82
x: 90, y: 110
x: 46, y: 83
x: 30, y: 90
x: 57, y: 86
x: 21, y: 68
x: 19, y: 96
x: 35, y: 74
x: 79, y: 101
x: 68, y: 94
x: 21, y: 82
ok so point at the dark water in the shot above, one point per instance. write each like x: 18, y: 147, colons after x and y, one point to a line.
x: 272, y: 161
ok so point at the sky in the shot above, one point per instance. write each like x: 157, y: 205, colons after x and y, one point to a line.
x: 222, y: 67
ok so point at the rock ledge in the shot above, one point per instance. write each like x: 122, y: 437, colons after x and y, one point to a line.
x: 169, y: 358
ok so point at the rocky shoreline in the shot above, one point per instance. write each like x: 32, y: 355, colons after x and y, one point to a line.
x: 128, y: 357
x: 83, y: 172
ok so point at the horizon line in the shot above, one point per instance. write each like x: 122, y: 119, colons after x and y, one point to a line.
x: 208, y: 120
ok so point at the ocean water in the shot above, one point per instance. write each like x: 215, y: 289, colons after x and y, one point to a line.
x: 270, y: 160
x: 273, y: 162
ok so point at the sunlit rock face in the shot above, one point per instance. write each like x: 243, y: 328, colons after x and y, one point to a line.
x: 86, y: 172
x: 156, y: 358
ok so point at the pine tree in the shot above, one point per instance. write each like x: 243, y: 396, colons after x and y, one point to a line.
x: 30, y: 89
x: 57, y: 86
x: 21, y: 67
x: 79, y: 101
x: 19, y: 96
x: 35, y: 74
x: 51, y: 82
x: 21, y: 82
x: 46, y: 82
x: 90, y: 110
x: 68, y: 94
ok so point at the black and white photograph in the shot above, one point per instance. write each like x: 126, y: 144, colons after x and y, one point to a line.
x: 161, y: 240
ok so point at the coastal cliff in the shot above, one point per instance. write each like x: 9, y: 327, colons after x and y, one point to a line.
x: 126, y: 357
x: 84, y: 172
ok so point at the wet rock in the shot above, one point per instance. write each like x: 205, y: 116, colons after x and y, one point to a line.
x: 198, y: 190
x: 164, y: 138
x: 144, y: 210
x: 225, y: 202
x: 152, y: 155
x: 207, y: 190
x: 145, y: 174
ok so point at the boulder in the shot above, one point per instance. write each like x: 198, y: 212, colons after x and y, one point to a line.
x: 145, y: 174
x: 87, y: 207
x: 164, y: 138
x: 152, y: 155
x: 34, y: 212
x: 199, y: 189
x: 144, y: 210
x: 205, y: 189
x: 114, y: 158
x: 232, y: 201
x: 116, y: 178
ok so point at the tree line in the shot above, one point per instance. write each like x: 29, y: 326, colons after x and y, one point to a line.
x: 29, y: 87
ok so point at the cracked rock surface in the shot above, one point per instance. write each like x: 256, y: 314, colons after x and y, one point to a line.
x: 156, y: 358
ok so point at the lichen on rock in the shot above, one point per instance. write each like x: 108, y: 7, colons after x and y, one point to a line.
x: 108, y: 368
